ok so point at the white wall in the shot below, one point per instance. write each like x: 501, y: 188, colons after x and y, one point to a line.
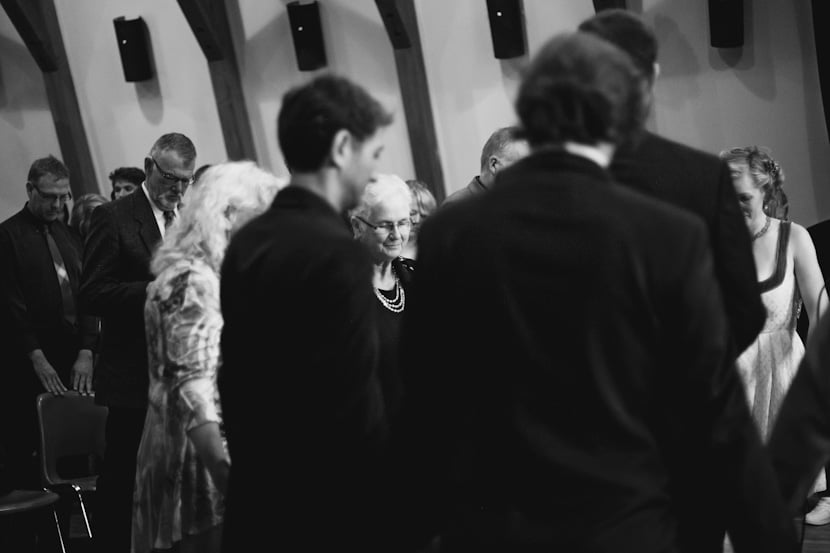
x: 766, y: 94
x: 123, y: 119
x: 356, y: 46
x: 26, y: 128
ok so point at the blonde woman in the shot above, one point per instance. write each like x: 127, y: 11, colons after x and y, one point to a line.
x: 182, y: 463
x: 788, y: 276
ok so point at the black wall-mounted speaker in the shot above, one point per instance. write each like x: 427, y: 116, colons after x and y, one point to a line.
x: 507, y: 27
x: 726, y: 23
x: 134, y: 47
x: 307, y: 34
x: 600, y: 5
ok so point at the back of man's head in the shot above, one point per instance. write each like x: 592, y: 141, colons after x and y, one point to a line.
x: 313, y: 113
x: 499, y: 143
x: 628, y: 32
x: 583, y: 89
x: 175, y: 142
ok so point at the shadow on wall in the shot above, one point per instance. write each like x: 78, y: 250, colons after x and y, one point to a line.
x: 754, y: 53
x: 21, y: 82
x: 268, y: 62
x: 148, y: 93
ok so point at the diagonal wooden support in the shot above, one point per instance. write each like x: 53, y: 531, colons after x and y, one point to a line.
x: 37, y: 23
x: 209, y: 22
x: 401, y: 24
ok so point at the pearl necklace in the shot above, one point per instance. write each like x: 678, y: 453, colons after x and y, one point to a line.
x: 763, y: 231
x: 396, y: 304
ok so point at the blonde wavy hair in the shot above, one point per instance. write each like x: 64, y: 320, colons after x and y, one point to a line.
x: 227, y: 196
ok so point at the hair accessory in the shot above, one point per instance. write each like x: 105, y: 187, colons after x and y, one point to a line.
x: 771, y: 166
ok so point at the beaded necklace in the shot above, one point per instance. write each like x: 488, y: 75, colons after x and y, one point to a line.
x: 396, y: 304
x: 763, y: 231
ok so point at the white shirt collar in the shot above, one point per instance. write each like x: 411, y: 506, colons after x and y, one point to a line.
x: 600, y: 154
x: 158, y: 213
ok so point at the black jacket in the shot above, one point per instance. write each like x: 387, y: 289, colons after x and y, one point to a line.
x: 566, y: 369
x: 700, y: 183
x: 122, y: 237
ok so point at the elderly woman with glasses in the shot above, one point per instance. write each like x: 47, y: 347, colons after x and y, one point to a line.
x: 382, y: 222
x: 182, y: 462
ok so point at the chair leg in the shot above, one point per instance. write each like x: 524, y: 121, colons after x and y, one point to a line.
x: 83, y: 510
x: 58, y: 528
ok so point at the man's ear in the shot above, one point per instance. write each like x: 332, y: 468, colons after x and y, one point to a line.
x: 656, y: 71
x: 29, y: 187
x: 341, y: 147
x: 493, y: 164
x: 355, y: 226
x: 148, y: 166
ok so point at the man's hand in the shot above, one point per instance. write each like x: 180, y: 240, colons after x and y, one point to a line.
x: 82, y: 372
x: 46, y: 373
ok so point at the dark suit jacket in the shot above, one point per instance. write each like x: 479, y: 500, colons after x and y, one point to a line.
x: 122, y: 237
x: 300, y: 395
x: 583, y: 351
x: 700, y: 182
x: 800, y: 441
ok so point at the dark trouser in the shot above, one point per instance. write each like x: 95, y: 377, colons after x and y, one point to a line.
x: 114, y: 505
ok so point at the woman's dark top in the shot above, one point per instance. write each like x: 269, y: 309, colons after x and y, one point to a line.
x: 389, y: 327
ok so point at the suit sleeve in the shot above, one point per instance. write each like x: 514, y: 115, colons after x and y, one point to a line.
x: 102, y: 291
x: 725, y: 468
x: 800, y: 442
x: 13, y: 300
x: 735, y: 266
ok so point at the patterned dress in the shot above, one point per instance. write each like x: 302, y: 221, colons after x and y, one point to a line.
x: 174, y: 494
x: 768, y: 366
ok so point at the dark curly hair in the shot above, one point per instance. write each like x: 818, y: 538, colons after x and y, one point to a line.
x: 766, y: 174
x: 584, y: 89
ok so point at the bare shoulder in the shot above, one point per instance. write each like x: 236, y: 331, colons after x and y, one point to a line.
x: 800, y: 241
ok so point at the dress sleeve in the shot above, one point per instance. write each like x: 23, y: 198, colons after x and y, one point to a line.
x: 193, y: 325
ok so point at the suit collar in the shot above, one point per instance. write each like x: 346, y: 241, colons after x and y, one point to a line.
x: 143, y: 215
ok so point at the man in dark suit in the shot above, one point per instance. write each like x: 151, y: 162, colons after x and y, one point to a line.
x: 694, y: 180
x: 571, y: 329
x: 50, y: 342
x: 122, y: 237
x: 299, y: 344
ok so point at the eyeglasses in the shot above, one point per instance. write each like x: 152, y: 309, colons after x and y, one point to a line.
x: 170, y: 177
x: 51, y: 198
x: 387, y: 227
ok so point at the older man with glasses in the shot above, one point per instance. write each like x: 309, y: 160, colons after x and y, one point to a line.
x: 122, y: 237
x: 49, y: 342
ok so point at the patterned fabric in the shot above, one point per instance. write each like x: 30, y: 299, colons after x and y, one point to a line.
x: 174, y: 494
x: 768, y: 366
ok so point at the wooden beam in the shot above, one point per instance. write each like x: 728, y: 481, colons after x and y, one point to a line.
x: 209, y: 22
x: 401, y: 24
x: 37, y: 23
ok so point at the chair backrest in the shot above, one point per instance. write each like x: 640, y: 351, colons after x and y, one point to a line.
x: 70, y: 425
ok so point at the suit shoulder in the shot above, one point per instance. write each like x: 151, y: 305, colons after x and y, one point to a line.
x: 652, y: 213
x: 689, y: 155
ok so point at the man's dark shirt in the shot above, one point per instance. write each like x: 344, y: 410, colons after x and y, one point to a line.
x: 30, y: 289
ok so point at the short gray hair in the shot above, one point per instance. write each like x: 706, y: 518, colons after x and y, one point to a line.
x: 175, y: 142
